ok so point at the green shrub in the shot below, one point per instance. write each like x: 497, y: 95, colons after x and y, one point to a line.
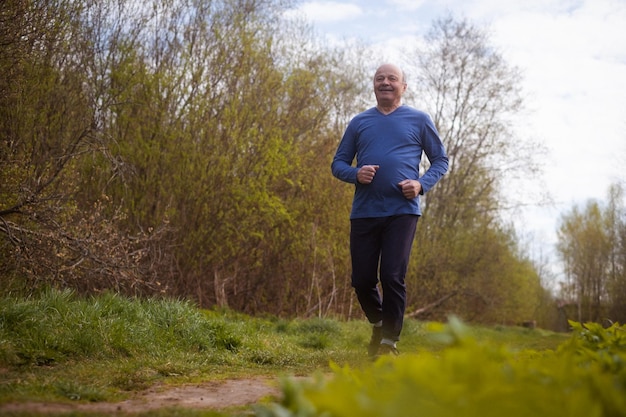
x: 584, y: 377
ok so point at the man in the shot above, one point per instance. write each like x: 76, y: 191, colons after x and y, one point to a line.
x: 387, y: 142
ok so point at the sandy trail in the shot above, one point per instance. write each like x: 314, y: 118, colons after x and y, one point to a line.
x: 213, y: 395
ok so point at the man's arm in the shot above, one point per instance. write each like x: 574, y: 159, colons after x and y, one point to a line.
x: 341, y: 166
x: 436, y: 154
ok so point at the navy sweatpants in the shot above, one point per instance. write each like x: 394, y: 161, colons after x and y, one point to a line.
x: 380, y: 248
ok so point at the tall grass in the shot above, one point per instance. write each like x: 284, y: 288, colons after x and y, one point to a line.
x: 58, y: 326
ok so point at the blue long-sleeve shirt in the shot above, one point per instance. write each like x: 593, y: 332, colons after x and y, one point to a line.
x: 395, y: 142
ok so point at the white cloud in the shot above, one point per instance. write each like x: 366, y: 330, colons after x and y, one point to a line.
x: 327, y: 11
x: 406, y: 4
x: 574, y: 59
x: 573, y: 55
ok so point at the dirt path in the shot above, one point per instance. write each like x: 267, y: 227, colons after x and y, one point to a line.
x: 215, y: 395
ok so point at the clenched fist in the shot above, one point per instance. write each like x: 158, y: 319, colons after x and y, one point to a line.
x: 366, y: 173
x: 410, y: 188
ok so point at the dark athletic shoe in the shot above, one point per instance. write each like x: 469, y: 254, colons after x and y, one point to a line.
x: 377, y: 336
x: 385, y: 349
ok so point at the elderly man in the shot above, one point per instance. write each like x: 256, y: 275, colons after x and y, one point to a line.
x: 387, y: 142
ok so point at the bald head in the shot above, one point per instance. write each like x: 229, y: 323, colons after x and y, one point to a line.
x: 391, y: 68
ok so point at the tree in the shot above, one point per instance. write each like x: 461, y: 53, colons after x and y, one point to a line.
x: 462, y: 245
x: 616, y: 228
x: 591, y: 245
x: 219, y: 125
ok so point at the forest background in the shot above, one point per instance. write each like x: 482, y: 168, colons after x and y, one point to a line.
x: 182, y: 148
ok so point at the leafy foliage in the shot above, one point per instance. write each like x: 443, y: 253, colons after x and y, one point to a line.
x: 585, y: 376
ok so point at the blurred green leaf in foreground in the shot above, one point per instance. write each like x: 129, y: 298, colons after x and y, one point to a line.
x: 585, y: 376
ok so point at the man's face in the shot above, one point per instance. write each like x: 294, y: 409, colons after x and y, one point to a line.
x: 389, y: 85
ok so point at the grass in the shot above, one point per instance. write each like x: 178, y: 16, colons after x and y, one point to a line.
x: 63, y: 348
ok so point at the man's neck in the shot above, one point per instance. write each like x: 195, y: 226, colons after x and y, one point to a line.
x: 386, y: 109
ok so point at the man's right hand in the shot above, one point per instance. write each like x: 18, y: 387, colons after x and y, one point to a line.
x: 366, y: 173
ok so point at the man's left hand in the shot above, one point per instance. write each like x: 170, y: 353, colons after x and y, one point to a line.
x: 410, y: 188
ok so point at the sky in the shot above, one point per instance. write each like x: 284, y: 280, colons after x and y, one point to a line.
x: 572, y: 54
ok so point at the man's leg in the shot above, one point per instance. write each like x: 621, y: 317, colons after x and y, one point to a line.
x: 365, y: 246
x: 397, y: 241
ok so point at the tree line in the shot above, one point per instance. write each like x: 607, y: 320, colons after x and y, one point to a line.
x: 182, y: 148
x: 592, y: 246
